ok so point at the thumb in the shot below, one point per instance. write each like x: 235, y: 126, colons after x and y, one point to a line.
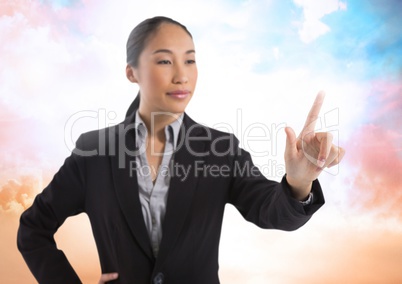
x: 291, y: 140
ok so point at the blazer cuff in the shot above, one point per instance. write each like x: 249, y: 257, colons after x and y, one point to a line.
x: 316, y: 202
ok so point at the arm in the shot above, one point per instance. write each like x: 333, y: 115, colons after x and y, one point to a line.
x: 62, y: 198
x: 276, y: 205
x: 267, y: 203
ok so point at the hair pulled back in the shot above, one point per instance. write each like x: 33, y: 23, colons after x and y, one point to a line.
x: 141, y: 34
x: 137, y: 41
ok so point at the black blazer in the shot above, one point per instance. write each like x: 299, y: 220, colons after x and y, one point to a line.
x: 102, y: 183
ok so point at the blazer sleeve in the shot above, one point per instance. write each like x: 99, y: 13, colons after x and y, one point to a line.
x: 63, y: 197
x: 266, y: 203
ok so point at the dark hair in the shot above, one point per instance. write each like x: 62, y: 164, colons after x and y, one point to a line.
x: 140, y: 35
x: 136, y: 42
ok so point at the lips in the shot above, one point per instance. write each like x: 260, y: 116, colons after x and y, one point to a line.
x: 179, y: 94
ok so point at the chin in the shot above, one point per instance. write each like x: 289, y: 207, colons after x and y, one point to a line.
x: 177, y: 110
x: 177, y: 107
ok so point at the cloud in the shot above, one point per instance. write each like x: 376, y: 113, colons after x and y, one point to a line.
x: 378, y: 161
x: 386, y: 102
x: 22, y: 162
x: 374, y: 153
x: 58, y: 60
x: 17, y: 195
x: 312, y: 26
x: 333, y: 247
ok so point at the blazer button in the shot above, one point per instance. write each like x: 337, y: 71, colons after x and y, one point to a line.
x: 158, y: 279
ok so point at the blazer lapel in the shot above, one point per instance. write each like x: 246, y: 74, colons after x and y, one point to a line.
x: 181, y: 190
x: 125, y: 180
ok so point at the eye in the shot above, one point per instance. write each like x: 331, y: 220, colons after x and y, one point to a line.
x: 164, y: 62
x: 190, y: 61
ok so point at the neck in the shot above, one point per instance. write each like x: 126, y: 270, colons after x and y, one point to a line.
x: 156, y: 123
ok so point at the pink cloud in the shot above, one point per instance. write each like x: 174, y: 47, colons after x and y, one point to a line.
x: 16, y: 196
x: 31, y: 10
x: 375, y: 152
x: 19, y: 136
x: 387, y: 96
x: 22, y: 162
x: 60, y: 20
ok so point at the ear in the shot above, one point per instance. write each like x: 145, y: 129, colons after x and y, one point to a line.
x: 130, y: 73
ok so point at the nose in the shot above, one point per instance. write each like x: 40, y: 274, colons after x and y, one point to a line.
x: 180, y: 76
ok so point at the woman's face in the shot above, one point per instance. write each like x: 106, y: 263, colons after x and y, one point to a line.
x: 166, y: 71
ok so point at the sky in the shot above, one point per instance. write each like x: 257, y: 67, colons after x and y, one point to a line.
x: 261, y: 63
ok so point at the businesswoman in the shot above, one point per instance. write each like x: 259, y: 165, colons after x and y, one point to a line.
x: 155, y: 186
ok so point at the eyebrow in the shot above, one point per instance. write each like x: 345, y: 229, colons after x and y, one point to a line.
x: 169, y: 51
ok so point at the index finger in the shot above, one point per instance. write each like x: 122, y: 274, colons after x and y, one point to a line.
x: 312, y: 117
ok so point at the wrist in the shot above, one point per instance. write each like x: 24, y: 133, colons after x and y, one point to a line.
x: 300, y: 189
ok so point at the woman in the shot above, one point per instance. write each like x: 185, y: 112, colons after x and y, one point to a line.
x: 155, y: 186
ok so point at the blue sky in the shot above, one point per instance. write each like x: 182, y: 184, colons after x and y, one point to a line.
x: 60, y: 3
x: 368, y: 32
x: 364, y: 40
